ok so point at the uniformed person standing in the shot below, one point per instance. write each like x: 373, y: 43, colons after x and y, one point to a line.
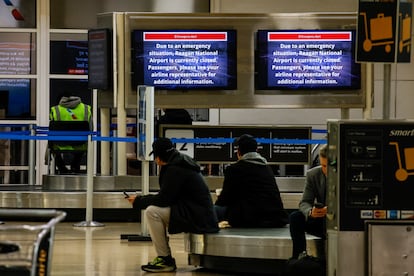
x: 71, y: 108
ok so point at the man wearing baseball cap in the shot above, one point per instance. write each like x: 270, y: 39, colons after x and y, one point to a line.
x: 183, y: 203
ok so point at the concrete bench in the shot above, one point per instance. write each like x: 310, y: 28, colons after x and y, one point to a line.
x: 247, y: 250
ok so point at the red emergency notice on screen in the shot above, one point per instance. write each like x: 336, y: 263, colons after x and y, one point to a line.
x: 185, y: 36
x: 309, y: 36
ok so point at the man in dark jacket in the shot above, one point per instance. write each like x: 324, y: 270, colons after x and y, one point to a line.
x: 250, y: 196
x: 183, y: 203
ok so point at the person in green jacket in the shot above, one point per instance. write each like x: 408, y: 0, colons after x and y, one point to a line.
x: 71, y: 108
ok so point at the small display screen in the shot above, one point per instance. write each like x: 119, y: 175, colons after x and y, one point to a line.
x: 69, y: 57
x: 299, y: 59
x: 15, y: 99
x: 100, y: 59
x: 184, y: 59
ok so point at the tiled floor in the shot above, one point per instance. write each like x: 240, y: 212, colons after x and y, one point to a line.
x: 100, y: 251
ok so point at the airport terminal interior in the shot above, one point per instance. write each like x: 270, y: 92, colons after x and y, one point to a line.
x: 99, y: 251
x: 294, y: 74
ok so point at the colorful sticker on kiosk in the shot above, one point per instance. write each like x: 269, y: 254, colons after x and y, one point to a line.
x: 407, y: 214
x: 367, y: 214
x: 393, y: 214
x: 380, y: 214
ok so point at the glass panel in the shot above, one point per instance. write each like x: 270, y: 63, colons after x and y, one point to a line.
x: 13, y: 157
x: 63, y: 87
x: 17, y: 53
x: 69, y: 57
x: 18, y: 14
x: 17, y: 99
x: 81, y: 14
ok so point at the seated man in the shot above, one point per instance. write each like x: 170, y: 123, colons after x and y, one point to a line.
x: 310, y: 217
x: 250, y: 196
x: 71, y: 108
x: 183, y: 203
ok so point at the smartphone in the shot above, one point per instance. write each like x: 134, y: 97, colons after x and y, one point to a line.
x: 318, y: 205
x: 126, y: 194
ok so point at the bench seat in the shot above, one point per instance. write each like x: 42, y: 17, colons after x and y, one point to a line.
x: 246, y: 249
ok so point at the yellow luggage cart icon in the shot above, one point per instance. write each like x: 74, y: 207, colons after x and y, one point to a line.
x: 402, y: 173
x: 405, y: 33
x: 380, y: 32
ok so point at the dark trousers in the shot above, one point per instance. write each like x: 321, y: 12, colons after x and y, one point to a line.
x: 221, y: 212
x: 298, y: 226
x: 74, y: 164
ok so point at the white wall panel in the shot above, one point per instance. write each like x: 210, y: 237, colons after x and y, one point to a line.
x: 275, y: 6
x: 404, y: 100
x: 171, y: 6
x: 81, y: 14
x: 277, y: 116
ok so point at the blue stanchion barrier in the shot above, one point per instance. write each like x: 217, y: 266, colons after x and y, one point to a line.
x: 82, y: 136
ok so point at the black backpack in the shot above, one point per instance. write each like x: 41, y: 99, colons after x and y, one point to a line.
x: 306, y: 265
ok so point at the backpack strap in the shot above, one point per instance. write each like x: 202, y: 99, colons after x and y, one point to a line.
x: 57, y: 112
x: 86, y: 113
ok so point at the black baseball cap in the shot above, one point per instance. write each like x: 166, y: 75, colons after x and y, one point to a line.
x: 246, y: 143
x: 162, y: 147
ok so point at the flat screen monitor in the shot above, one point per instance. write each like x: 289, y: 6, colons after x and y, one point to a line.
x: 69, y: 57
x: 184, y: 59
x: 100, y: 59
x: 307, y: 60
x: 15, y: 99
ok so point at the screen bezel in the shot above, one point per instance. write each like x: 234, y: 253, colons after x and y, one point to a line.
x: 137, y: 60
x: 261, y: 66
x: 101, y: 75
x: 64, y: 59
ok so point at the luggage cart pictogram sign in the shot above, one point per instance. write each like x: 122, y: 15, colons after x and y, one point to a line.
x: 405, y: 32
x: 379, y: 32
x: 402, y: 173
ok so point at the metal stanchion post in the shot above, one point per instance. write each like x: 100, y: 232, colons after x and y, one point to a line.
x: 32, y: 154
x: 145, y: 119
x: 145, y: 191
x: 89, y: 189
x: 145, y: 137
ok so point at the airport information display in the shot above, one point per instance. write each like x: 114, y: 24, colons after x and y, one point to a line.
x: 197, y: 59
x: 100, y: 59
x: 69, y: 57
x: 319, y: 59
x: 224, y: 151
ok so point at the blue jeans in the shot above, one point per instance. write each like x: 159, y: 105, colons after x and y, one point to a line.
x: 298, y: 226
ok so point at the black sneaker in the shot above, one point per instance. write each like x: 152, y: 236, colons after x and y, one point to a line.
x: 160, y: 264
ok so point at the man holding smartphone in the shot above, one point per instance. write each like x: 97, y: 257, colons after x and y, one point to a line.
x: 183, y: 203
x: 310, y: 218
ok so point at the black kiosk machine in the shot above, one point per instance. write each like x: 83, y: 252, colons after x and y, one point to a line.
x: 370, y: 219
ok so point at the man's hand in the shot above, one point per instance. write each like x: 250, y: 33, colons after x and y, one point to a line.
x: 318, y: 212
